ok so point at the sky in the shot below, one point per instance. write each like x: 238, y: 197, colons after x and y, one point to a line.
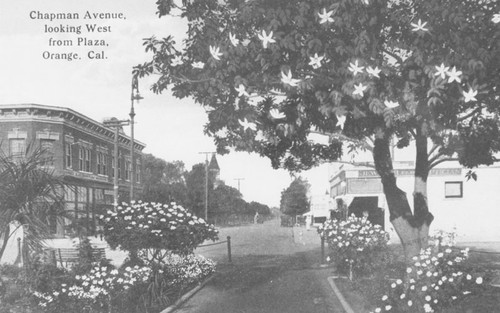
x: 99, y: 88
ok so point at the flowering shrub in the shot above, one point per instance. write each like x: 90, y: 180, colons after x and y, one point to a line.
x: 356, y: 246
x: 157, y: 227
x: 168, y: 281
x: 443, y: 238
x: 93, y: 290
x: 129, y: 289
x: 435, y: 280
x: 185, y: 270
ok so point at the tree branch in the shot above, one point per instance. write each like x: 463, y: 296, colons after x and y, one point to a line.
x: 316, y: 74
x: 189, y: 80
x: 473, y: 112
x: 400, y: 61
x: 434, y: 159
x: 367, y: 164
x: 436, y: 162
x: 360, y: 143
x: 433, y: 149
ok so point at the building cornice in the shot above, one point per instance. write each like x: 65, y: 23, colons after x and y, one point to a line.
x: 54, y: 114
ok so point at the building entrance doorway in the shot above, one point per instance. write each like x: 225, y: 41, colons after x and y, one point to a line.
x: 367, y: 206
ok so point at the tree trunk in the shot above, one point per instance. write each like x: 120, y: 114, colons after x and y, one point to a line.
x: 411, y: 227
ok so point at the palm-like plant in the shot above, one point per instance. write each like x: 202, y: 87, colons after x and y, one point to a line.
x: 30, y: 195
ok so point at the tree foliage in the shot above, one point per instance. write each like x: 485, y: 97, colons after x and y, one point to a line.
x: 303, y: 73
x: 363, y: 72
x: 31, y: 195
x: 163, y: 181
x: 195, y: 183
x: 226, y: 200
x: 294, y: 200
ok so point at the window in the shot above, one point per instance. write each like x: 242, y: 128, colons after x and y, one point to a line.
x: 88, y: 167
x: 453, y: 189
x: 47, y: 147
x: 137, y: 171
x: 84, y: 159
x: 17, y: 148
x: 80, y: 158
x: 102, y: 160
x: 119, y: 168
x: 128, y: 170
x: 68, y: 153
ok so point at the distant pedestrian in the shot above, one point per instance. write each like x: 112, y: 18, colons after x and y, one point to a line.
x: 256, y: 218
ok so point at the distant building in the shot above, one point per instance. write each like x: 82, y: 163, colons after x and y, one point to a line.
x: 214, y: 170
x: 81, y: 151
x: 321, y: 207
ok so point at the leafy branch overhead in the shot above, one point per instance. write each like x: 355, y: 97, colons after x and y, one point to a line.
x: 272, y: 72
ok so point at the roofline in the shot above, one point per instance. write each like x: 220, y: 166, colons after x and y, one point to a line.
x: 65, y: 110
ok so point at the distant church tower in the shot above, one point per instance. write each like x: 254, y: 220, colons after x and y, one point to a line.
x: 214, y: 170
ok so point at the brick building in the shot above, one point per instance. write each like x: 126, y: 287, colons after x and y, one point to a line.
x: 81, y: 150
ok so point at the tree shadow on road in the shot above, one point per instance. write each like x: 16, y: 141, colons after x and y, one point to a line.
x: 249, y: 271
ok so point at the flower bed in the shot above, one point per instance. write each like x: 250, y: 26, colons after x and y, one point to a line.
x: 128, y: 289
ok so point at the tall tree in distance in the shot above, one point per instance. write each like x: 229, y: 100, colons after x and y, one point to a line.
x: 163, y: 181
x: 294, y: 200
x: 195, y: 183
x: 362, y: 72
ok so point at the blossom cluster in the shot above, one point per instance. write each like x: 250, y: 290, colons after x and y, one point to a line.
x: 354, y: 242
x: 444, y: 238
x: 326, y: 18
x: 185, y: 270
x: 143, y: 225
x: 151, y: 216
x: 98, y: 283
x: 434, y: 280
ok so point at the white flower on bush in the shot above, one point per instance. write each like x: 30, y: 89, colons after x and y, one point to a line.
x: 92, y: 286
x: 441, y: 282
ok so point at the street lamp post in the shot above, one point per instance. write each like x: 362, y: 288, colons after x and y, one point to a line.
x: 134, y: 96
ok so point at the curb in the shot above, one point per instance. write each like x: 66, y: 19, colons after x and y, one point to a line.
x: 187, y: 295
x: 339, y: 295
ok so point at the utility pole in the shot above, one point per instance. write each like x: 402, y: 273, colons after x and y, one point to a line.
x: 134, y: 96
x: 206, y: 182
x: 116, y: 124
x: 239, y: 179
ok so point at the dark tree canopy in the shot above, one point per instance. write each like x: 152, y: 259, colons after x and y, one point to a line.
x: 163, y: 181
x: 294, y: 200
x: 270, y: 72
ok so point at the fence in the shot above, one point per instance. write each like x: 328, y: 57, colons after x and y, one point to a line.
x: 228, y: 241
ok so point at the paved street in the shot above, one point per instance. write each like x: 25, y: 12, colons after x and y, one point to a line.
x: 275, y: 269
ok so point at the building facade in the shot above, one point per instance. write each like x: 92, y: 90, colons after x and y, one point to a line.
x: 467, y: 207
x: 79, y: 149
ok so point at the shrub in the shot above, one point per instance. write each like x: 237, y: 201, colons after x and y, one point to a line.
x: 356, y: 246
x: 128, y: 289
x: 435, y: 280
x: 93, y: 291
x: 168, y: 281
x: 153, y: 228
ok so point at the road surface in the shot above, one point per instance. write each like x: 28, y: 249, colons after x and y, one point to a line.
x: 274, y: 269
